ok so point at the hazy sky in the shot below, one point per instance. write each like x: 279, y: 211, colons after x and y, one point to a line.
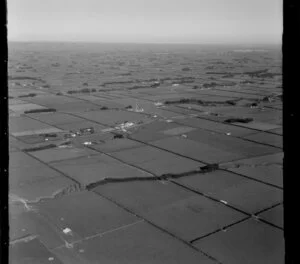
x: 181, y: 21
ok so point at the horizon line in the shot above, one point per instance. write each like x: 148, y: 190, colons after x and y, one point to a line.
x: 145, y: 43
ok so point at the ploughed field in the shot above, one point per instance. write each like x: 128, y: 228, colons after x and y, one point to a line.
x: 127, y: 153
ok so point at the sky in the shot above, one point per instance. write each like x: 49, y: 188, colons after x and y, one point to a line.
x: 146, y: 21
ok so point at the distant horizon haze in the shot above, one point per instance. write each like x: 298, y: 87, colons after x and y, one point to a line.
x: 236, y: 45
x: 148, y: 22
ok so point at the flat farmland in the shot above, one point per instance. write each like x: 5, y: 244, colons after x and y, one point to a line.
x: 137, y: 153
